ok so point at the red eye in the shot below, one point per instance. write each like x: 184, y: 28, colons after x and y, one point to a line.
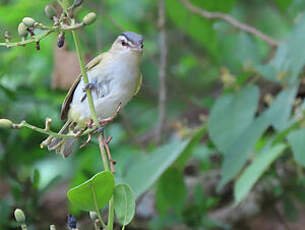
x: 124, y: 43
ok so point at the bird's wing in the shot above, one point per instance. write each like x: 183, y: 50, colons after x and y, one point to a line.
x: 139, y: 84
x: 68, y: 99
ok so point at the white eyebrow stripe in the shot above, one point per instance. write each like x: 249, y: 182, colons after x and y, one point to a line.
x: 123, y: 38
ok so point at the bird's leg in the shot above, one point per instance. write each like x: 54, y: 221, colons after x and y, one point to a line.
x: 90, y: 86
x: 89, y: 124
x: 110, y: 119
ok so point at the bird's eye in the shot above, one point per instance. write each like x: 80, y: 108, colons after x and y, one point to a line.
x: 124, y: 43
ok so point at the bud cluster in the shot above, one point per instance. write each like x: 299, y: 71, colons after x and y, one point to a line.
x: 62, y: 23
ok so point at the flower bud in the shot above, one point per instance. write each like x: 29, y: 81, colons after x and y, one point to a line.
x: 71, y: 221
x: 22, y: 30
x: 61, y: 39
x: 50, y: 11
x: 93, y: 215
x: 52, y: 227
x: 19, y: 215
x: 89, y: 18
x: 29, y: 22
x: 5, y: 123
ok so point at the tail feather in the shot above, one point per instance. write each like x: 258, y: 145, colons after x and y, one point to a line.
x: 64, y: 146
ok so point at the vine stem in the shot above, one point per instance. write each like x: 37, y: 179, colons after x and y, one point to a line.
x: 96, y: 208
x: 85, y: 77
x: 94, y: 117
x: 111, y: 214
x: 96, y: 122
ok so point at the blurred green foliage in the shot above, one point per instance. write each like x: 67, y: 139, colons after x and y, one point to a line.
x: 252, y: 94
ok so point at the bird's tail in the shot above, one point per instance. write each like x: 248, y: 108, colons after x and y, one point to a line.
x: 63, y: 146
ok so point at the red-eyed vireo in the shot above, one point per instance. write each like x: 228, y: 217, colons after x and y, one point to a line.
x: 114, y: 78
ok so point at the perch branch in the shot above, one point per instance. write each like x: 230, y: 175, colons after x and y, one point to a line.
x: 47, y: 130
x: 229, y: 19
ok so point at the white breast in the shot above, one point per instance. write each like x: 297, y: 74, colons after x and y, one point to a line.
x: 116, y: 84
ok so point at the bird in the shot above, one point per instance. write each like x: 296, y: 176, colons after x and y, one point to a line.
x: 114, y: 78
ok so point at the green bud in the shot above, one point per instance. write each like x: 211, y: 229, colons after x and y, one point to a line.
x: 50, y: 11
x: 19, y: 215
x: 22, y: 30
x: 29, y: 22
x: 93, y: 215
x: 5, y: 123
x: 89, y: 18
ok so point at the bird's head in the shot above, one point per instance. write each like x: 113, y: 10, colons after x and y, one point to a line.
x: 128, y: 43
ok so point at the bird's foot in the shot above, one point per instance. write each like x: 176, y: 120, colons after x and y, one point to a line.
x: 99, y: 130
x: 89, y: 86
x: 110, y: 119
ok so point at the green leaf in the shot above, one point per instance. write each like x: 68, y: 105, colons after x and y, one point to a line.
x: 94, y: 193
x: 252, y: 173
x: 231, y: 115
x: 289, y: 59
x: 148, y: 168
x: 188, y: 151
x: 215, y: 5
x: 124, y: 203
x: 283, y: 4
x: 296, y: 140
x: 238, y: 153
x: 171, y: 190
x: 281, y: 107
x: 196, y: 27
x: 241, y: 149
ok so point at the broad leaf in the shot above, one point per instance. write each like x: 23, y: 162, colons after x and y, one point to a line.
x: 171, y: 190
x: 94, y: 193
x: 241, y: 149
x: 252, y: 173
x: 297, y: 142
x: 198, y: 28
x: 124, y: 203
x: 281, y: 107
x: 231, y: 115
x: 149, y: 168
x: 289, y: 59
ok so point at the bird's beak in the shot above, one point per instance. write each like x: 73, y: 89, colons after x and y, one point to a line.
x: 139, y: 46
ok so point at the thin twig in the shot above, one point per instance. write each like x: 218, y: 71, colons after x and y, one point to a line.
x: 37, y: 38
x: 162, y: 71
x: 103, y: 153
x: 229, y: 19
x: 24, y: 124
x: 105, y: 144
